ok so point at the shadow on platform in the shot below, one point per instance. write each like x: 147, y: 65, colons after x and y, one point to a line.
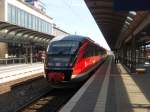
x: 117, y: 100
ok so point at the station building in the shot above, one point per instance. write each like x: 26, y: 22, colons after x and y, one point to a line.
x: 25, y: 14
x: 58, y: 31
x: 25, y: 29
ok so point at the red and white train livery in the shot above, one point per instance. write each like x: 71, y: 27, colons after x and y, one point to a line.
x: 70, y: 59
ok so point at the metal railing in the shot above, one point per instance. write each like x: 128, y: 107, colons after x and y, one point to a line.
x: 12, y: 60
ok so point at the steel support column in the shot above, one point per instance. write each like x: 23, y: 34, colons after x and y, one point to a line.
x: 26, y: 55
x: 144, y: 44
x: 133, y: 54
x: 31, y: 54
x: 125, y: 54
x: 121, y: 55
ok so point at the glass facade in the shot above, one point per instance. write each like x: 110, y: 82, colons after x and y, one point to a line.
x: 22, y: 18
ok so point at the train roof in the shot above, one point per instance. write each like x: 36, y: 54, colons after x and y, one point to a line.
x: 70, y: 37
x: 74, y: 38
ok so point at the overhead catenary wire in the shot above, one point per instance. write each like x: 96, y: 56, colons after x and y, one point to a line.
x: 71, y: 9
x: 69, y: 6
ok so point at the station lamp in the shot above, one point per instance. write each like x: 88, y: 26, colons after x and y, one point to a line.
x: 133, y: 13
x: 129, y: 18
x: 127, y: 23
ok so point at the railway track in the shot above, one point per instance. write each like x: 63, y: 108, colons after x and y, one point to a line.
x: 50, y: 102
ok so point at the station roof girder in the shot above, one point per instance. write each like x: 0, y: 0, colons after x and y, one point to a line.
x: 133, y: 27
x: 116, y: 26
x: 26, y: 35
x: 102, y: 11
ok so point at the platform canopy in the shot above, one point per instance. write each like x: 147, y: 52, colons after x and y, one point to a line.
x: 13, y: 33
x: 116, y: 26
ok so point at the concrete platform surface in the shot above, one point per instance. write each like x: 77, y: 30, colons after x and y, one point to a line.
x: 112, y: 89
x: 13, y: 72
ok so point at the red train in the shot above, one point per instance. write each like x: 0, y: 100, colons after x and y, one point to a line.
x: 70, y: 59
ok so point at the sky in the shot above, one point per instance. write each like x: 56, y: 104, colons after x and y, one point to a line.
x: 74, y: 17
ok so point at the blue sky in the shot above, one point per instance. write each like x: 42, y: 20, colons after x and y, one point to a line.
x: 73, y: 16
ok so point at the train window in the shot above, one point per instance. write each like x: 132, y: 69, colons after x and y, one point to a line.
x: 63, y: 47
x: 101, y: 51
x: 93, y: 50
x: 98, y: 51
x: 89, y: 51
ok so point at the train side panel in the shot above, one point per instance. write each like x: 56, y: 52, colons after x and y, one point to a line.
x: 86, y: 59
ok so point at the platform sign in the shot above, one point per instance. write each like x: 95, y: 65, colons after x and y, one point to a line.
x: 131, y: 5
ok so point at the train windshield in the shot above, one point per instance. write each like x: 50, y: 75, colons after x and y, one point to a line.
x: 63, y: 47
x: 62, y: 53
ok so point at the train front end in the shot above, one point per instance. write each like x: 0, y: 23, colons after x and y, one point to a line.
x: 60, y: 59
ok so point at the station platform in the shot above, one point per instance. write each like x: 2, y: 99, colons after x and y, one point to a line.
x: 112, y: 89
x: 17, y: 73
